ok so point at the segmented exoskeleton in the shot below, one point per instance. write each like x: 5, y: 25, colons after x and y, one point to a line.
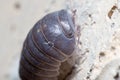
x: 49, y: 43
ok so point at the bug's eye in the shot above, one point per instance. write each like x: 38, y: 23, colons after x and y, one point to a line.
x: 70, y: 34
x: 67, y: 29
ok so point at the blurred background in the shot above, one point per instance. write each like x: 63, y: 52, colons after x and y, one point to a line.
x: 17, y: 17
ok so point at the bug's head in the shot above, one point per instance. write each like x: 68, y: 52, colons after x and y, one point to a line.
x: 60, y: 30
x: 67, y: 23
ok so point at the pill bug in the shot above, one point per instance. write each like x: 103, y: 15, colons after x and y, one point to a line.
x: 49, y: 43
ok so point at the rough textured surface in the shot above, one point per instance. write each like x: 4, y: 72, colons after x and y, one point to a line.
x: 100, y: 35
x: 100, y: 20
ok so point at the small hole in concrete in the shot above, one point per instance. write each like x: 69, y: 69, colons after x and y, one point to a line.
x: 112, y: 48
x: 112, y: 25
x: 90, y: 15
x: 110, y: 13
x: 102, y: 54
x: 88, y: 77
x: 116, y: 77
x: 91, y: 70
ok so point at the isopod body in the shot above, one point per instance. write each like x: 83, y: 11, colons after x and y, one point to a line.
x: 49, y: 43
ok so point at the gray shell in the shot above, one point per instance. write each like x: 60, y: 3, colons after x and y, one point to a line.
x: 49, y: 43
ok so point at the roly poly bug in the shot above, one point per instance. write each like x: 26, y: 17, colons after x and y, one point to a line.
x: 49, y: 43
